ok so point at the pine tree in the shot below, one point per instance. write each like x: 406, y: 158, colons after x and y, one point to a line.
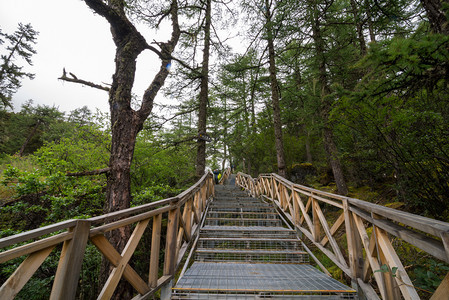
x: 19, y: 46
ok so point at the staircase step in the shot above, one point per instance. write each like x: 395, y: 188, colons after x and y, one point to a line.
x: 243, y: 214
x: 254, y: 256
x: 243, y: 222
x: 249, y: 243
x: 245, y: 251
x: 247, y: 232
x: 258, y: 281
x: 229, y: 208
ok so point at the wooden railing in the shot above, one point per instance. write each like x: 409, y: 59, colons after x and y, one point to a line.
x: 184, y: 213
x: 225, y: 176
x: 366, y: 254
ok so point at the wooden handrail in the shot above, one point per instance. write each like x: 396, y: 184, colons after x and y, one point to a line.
x: 185, y: 212
x: 225, y: 176
x: 365, y: 251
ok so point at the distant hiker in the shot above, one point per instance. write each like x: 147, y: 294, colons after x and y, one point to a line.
x: 216, y: 173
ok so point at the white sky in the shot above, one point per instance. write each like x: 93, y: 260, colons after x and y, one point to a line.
x: 70, y: 36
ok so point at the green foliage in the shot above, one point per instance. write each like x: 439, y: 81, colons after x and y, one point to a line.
x: 386, y: 269
x: 154, y: 192
x: 428, y: 276
x: 157, y: 163
x: 19, y: 45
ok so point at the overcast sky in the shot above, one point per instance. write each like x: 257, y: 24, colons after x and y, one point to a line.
x: 70, y: 36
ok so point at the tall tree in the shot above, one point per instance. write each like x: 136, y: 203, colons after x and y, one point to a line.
x: 328, y: 134
x: 20, y: 45
x: 125, y: 121
x: 275, y: 97
x: 204, y: 92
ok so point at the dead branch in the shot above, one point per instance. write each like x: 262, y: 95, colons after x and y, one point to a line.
x: 75, y: 79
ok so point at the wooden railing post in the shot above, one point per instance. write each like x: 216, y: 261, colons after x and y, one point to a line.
x: 315, y: 219
x: 354, y: 244
x: 70, y: 262
x: 155, y: 248
x: 170, y: 248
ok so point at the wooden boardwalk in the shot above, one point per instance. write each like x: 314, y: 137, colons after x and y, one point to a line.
x: 246, y: 251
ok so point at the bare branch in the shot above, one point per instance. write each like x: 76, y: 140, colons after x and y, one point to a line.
x: 81, y: 81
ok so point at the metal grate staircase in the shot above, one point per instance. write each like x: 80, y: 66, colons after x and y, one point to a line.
x: 245, y: 251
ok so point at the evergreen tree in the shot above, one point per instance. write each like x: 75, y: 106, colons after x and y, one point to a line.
x: 19, y: 46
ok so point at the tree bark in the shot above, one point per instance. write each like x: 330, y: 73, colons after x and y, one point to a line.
x: 359, y: 27
x: 275, y: 98
x: 204, y: 94
x: 437, y: 17
x: 328, y: 137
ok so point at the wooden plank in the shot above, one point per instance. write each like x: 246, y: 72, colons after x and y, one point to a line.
x: 296, y: 209
x: 161, y: 281
x: 23, y: 273
x: 332, y: 241
x: 305, y: 216
x: 171, y: 240
x: 442, y: 291
x: 155, y: 248
x: 305, y: 212
x: 334, y: 228
x: 367, y: 271
x: 182, y: 225
x: 355, y: 252
x: 328, y: 253
x: 374, y: 263
x: 445, y: 240
x: 391, y: 287
x: 315, y: 221
x: 402, y: 278
x: 333, y: 203
x: 188, y: 219
x: 128, y: 221
x: 35, y: 246
x: 368, y: 290
x: 35, y: 233
x: 116, y: 274
x: 114, y: 257
x: 424, y: 242
x: 431, y: 226
x: 70, y: 262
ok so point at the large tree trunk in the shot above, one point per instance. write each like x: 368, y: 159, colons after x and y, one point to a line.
x: 126, y: 122
x: 275, y: 99
x: 359, y: 27
x: 328, y: 136
x: 204, y: 93
x: 437, y: 17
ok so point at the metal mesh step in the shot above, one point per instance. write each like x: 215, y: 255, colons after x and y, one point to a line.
x: 236, y: 295
x: 244, y: 215
x: 245, y: 232
x: 242, y: 222
x: 246, y: 252
x: 254, y: 256
x: 241, y: 208
x: 249, y: 243
x: 240, y: 203
x: 258, y: 281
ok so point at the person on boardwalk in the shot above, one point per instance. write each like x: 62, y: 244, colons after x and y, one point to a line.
x: 217, y: 175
